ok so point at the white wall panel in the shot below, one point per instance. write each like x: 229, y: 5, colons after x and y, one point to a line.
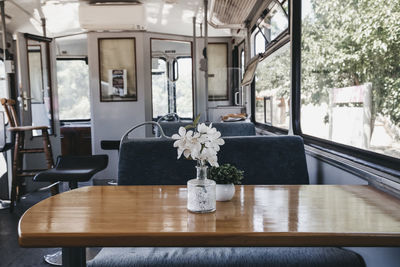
x: 110, y: 120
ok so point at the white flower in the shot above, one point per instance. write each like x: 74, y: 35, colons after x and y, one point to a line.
x: 186, y: 142
x: 202, y: 145
x: 202, y: 128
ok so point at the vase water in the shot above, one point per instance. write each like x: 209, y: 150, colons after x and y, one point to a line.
x: 201, y: 192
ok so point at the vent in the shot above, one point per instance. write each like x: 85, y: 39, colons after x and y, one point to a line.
x: 114, y: 2
x: 230, y: 12
x: 112, y: 17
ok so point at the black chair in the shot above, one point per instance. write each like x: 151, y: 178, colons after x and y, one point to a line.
x: 71, y: 169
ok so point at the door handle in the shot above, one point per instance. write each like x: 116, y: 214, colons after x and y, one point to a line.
x: 237, y: 99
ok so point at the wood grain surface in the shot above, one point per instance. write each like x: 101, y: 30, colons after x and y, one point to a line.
x: 307, y: 215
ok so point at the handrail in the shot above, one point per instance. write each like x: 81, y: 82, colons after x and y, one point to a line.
x: 169, y: 115
x: 125, y: 135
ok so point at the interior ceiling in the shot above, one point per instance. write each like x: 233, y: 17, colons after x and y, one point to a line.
x: 167, y: 16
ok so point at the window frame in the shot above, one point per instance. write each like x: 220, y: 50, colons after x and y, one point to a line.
x: 74, y: 58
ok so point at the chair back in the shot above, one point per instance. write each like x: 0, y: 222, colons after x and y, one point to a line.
x: 9, y: 108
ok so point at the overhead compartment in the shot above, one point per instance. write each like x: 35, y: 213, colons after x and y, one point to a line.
x: 112, y: 17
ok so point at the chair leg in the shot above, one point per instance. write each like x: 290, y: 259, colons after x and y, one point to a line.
x: 16, y: 168
x: 49, y: 157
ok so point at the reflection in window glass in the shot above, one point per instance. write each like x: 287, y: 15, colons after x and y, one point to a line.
x: 272, y: 84
x: 184, y: 101
x: 73, y: 89
x: 351, y: 73
x: 159, y: 87
x: 274, y: 23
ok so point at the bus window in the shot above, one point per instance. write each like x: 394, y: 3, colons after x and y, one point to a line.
x: 271, y: 26
x: 159, y: 87
x: 272, y: 76
x: 73, y: 89
x: 172, y: 85
x: 350, y: 73
x: 259, y: 43
x: 184, y: 101
x: 217, y: 71
x: 272, y: 85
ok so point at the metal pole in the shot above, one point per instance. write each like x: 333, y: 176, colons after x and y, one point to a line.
x: 295, y: 41
x: 194, y: 62
x: 44, y: 26
x: 206, y: 57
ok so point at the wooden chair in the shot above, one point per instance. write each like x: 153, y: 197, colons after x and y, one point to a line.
x: 19, y: 150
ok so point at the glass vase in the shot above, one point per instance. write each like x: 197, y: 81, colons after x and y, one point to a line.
x: 201, y: 192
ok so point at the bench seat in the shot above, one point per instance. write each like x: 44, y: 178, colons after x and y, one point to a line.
x: 227, y: 256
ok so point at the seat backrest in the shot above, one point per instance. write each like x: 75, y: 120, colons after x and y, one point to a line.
x: 9, y: 108
x: 226, y: 128
x: 264, y: 160
x: 72, y: 162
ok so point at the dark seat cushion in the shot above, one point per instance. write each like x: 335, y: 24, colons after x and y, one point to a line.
x: 226, y: 128
x: 73, y: 168
x: 218, y: 256
x: 264, y: 160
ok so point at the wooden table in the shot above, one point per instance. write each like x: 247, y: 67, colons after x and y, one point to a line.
x: 307, y: 215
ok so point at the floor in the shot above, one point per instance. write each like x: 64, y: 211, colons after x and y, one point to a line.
x: 11, y: 254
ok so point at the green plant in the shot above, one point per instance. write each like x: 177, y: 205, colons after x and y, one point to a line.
x: 226, y: 174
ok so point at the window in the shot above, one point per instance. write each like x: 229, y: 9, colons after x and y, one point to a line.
x: 73, y: 89
x: 217, y: 55
x: 171, y: 75
x: 184, y: 101
x: 259, y: 43
x: 159, y: 86
x: 351, y: 73
x: 270, y: 27
x: 272, y: 74
x: 272, y: 86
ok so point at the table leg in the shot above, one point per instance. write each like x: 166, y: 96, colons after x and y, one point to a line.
x: 74, y: 257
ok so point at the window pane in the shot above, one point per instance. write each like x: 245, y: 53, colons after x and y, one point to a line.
x: 172, y: 86
x: 351, y: 73
x: 273, y: 89
x: 275, y: 22
x: 184, y: 101
x: 259, y: 43
x: 217, y: 71
x: 159, y: 87
x: 73, y: 89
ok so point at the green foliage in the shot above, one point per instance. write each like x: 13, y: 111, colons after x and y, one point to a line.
x: 73, y: 89
x: 226, y: 174
x: 347, y: 43
x: 344, y: 43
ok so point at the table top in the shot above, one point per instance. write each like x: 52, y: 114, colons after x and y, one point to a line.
x: 305, y: 215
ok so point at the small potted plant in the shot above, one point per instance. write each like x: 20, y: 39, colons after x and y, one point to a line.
x: 226, y: 176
